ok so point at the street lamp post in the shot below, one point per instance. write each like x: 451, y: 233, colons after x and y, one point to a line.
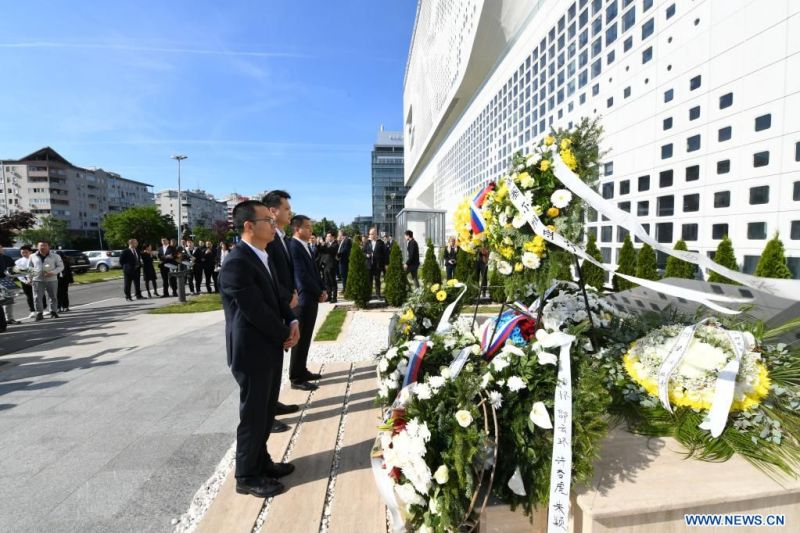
x: 179, y: 158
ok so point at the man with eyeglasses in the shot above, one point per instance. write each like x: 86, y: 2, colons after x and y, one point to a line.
x: 259, y: 326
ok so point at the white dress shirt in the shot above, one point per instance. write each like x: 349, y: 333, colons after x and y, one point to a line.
x: 262, y: 255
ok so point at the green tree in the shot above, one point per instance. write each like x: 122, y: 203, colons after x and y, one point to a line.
x: 396, y: 287
x: 143, y: 223
x: 321, y: 227
x: 465, y: 273
x: 646, y: 267
x: 593, y: 275
x: 625, y: 265
x: 50, y: 229
x: 358, y: 283
x: 497, y: 289
x: 726, y: 257
x: 773, y: 261
x: 431, y: 272
x: 11, y: 225
x: 678, y: 268
x: 202, y: 233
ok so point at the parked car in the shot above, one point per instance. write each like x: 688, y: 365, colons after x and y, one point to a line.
x: 103, y: 260
x: 13, y: 253
x: 80, y: 263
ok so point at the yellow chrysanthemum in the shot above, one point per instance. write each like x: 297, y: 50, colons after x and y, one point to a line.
x: 507, y: 252
x: 544, y: 166
x: 435, y: 287
x: 565, y: 143
x: 553, y: 212
x: 518, y: 267
x: 501, y: 193
x: 408, y: 316
x: 569, y: 159
x: 441, y: 296
x: 452, y: 282
x: 549, y: 140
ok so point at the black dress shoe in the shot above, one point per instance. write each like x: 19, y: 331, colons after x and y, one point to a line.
x: 304, y: 385
x: 39, y: 317
x: 129, y: 298
x: 312, y: 376
x: 261, y: 488
x: 279, y: 427
x: 283, y: 409
x: 53, y: 315
x: 276, y: 470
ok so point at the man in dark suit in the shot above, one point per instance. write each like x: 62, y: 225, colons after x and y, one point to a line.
x: 131, y: 262
x: 328, y: 262
x: 450, y: 254
x: 196, y: 276
x: 281, y: 210
x: 310, y: 293
x: 166, y: 256
x: 259, y: 326
x: 412, y: 254
x: 375, y: 250
x: 343, y: 256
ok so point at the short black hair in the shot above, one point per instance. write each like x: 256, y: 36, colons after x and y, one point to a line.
x: 410, y: 233
x: 274, y: 198
x: 297, y: 221
x: 26, y: 247
x: 245, y: 211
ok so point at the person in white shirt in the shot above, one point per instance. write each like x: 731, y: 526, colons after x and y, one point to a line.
x: 22, y: 265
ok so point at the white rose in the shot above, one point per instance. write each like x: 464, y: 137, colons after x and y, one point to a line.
x: 436, y: 382
x: 561, y: 198
x: 446, y: 373
x: 504, y: 268
x: 464, y: 418
x: 476, y: 349
x: 441, y: 475
x: 515, y: 383
x: 518, y: 221
x: 531, y: 260
x: 540, y: 416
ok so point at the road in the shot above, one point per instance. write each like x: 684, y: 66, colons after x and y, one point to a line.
x: 90, y: 305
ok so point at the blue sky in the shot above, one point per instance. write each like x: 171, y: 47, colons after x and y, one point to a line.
x: 259, y: 94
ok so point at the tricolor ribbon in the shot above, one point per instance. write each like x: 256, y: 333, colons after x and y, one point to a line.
x: 501, y: 327
x: 476, y: 218
x: 415, y: 362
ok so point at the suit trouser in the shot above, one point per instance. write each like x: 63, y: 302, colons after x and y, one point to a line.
x: 63, y: 294
x: 27, y: 288
x: 209, y: 274
x: 344, y: 266
x: 307, y: 316
x: 450, y: 270
x: 132, y: 278
x: 39, y: 290
x: 197, y: 274
x: 258, y: 396
x: 330, y: 283
x: 413, y: 272
x: 165, y: 279
x: 376, y: 275
x: 3, y: 322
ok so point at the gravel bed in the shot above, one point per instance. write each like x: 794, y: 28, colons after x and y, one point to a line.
x: 361, y: 339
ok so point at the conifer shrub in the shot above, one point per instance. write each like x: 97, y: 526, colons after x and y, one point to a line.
x: 646, y: 267
x: 358, y: 283
x: 678, y: 268
x: 593, y: 275
x: 431, y: 272
x: 726, y: 257
x: 465, y: 273
x: 625, y: 265
x: 773, y: 261
x: 396, y: 288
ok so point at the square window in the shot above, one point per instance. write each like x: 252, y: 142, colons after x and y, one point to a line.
x: 693, y: 143
x: 644, y: 183
x: 724, y: 134
x: 625, y: 206
x: 693, y: 173
x: 668, y: 95
x: 608, y: 190
x: 691, y: 203
x: 726, y: 100
x: 591, y: 232
x: 665, y: 178
x: 718, y: 231
x: 666, y: 151
x: 611, y: 12
x: 597, y: 46
x: 627, y: 44
x: 764, y: 122
x: 626, y: 92
x: 610, y: 57
x: 611, y: 34
x: 647, y: 28
x: 694, y: 83
x: 595, y: 89
x: 724, y: 166
x: 722, y: 199
x: 606, y: 253
x: 621, y: 234
x: 665, y: 206
x: 664, y: 232
x: 610, y: 101
x: 694, y: 113
x: 689, y: 232
x: 670, y: 11
x: 608, y: 168
x: 757, y: 231
x: 750, y: 263
x: 606, y: 233
x: 761, y: 159
x: 642, y: 208
x: 794, y: 230
x: 647, y: 4
x: 647, y: 54
x: 668, y: 123
x: 628, y: 19
x: 796, y: 191
x: 625, y: 186
x: 797, y: 151
x: 759, y: 195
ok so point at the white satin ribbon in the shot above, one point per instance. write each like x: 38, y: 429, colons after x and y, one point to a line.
x: 444, y: 322
x: 386, y: 489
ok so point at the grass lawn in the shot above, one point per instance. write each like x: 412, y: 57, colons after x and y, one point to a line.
x: 330, y: 329
x: 95, y: 277
x: 198, y: 304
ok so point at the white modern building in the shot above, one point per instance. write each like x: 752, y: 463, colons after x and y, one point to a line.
x: 198, y: 208
x: 697, y: 99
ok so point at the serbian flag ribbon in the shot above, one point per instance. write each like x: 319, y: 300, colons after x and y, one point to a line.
x: 476, y: 219
x: 502, y: 330
x: 415, y: 362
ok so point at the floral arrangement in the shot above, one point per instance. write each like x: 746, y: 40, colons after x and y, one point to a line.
x: 424, y: 308
x: 567, y: 308
x: 514, y: 246
x: 763, y: 424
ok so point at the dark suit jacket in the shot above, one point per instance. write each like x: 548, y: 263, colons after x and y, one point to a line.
x: 343, y: 253
x: 327, y: 255
x: 413, y: 254
x: 284, y: 269
x: 256, y: 318
x: 127, y: 260
x: 376, y: 261
x: 170, y: 251
x: 306, y: 275
x: 450, y: 255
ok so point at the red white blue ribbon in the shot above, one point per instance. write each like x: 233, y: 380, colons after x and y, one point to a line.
x: 476, y: 219
x: 415, y: 362
x: 502, y: 328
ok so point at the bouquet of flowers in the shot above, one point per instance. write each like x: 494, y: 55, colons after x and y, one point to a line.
x: 424, y: 308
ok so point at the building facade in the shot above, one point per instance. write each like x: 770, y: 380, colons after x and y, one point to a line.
x: 46, y: 184
x: 388, y: 190
x: 198, y: 208
x: 695, y: 97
